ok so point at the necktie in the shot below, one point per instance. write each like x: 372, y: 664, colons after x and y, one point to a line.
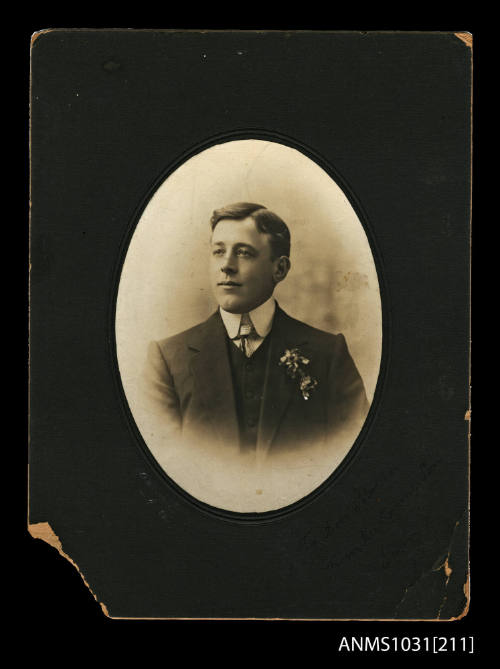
x: 245, y: 335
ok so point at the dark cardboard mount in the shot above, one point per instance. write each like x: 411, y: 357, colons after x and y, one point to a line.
x: 389, y: 116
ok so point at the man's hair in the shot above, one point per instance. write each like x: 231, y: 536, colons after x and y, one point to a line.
x: 266, y: 221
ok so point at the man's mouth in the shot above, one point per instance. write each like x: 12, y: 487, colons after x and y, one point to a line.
x: 228, y: 283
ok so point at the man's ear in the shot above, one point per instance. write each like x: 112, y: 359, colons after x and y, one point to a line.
x: 281, y: 269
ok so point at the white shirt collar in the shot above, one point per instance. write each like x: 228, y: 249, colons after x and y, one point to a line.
x: 262, y: 318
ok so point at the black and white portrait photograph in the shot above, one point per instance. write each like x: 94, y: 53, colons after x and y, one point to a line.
x: 248, y: 326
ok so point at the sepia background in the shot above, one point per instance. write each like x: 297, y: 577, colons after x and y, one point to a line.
x: 164, y: 289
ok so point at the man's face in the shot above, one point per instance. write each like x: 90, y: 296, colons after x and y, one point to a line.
x: 242, y: 273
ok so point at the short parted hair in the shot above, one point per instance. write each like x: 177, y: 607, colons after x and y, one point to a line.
x: 266, y: 221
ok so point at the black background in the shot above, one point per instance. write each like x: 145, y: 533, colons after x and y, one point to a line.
x: 400, y: 117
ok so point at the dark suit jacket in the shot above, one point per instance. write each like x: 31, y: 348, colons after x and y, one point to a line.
x: 188, y: 384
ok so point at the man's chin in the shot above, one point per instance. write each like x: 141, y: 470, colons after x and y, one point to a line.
x: 232, y: 308
x: 234, y: 304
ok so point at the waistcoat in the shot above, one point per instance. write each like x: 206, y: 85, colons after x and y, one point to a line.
x: 248, y: 376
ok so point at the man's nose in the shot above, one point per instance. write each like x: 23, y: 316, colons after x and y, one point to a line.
x: 228, y: 265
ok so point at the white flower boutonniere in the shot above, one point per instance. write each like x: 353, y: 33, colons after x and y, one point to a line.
x: 295, y: 363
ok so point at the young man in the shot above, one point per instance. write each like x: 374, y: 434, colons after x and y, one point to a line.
x: 251, y: 377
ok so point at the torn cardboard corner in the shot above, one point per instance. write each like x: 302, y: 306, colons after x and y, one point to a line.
x: 45, y: 532
x: 466, y: 38
x: 38, y: 33
x: 467, y: 597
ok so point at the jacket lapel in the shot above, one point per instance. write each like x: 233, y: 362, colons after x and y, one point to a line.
x: 213, y: 382
x: 278, y: 387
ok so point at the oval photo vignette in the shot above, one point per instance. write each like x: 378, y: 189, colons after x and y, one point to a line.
x: 249, y: 431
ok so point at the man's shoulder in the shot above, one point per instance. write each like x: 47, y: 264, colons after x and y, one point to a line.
x: 179, y: 342
x: 301, y: 331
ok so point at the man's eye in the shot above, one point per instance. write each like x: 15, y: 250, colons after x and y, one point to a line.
x: 243, y: 252
x: 217, y: 252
